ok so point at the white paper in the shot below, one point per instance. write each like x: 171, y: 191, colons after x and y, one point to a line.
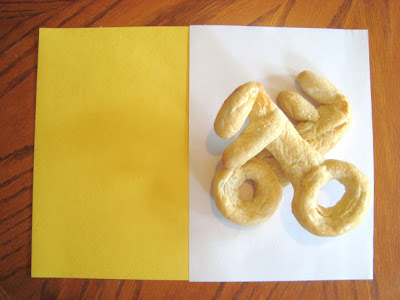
x: 221, y: 59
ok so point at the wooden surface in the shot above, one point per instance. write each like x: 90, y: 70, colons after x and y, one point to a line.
x: 19, y: 23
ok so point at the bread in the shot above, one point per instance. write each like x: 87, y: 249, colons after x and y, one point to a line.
x: 267, y: 193
x: 346, y: 214
x: 285, y: 149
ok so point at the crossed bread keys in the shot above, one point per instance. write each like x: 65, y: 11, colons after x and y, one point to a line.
x: 271, y: 152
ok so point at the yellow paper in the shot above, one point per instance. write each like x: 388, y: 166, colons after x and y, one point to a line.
x: 110, y: 197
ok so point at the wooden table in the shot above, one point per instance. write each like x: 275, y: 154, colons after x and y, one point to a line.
x: 19, y: 23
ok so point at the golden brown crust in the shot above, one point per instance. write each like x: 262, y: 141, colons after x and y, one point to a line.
x: 266, y: 156
x: 268, y: 129
x: 235, y: 110
x: 254, y: 137
x: 346, y: 214
x: 267, y: 194
x: 296, y: 107
x: 317, y: 87
x: 321, y: 127
x: 325, y: 126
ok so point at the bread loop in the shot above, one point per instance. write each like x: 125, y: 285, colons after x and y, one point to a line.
x: 267, y: 193
x: 346, y: 214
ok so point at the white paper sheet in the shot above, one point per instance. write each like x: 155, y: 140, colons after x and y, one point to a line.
x: 221, y: 59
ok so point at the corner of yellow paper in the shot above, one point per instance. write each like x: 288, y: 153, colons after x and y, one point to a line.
x: 110, y: 196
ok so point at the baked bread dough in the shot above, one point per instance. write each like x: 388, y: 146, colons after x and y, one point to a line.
x: 267, y: 193
x: 270, y: 129
x: 346, y: 214
x: 321, y: 127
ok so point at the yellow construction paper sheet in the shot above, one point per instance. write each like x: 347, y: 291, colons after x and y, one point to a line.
x: 110, y: 196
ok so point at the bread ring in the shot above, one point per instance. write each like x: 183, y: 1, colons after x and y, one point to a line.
x: 342, y: 217
x: 267, y: 193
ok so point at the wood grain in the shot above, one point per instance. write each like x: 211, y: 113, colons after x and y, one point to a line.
x: 19, y: 23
